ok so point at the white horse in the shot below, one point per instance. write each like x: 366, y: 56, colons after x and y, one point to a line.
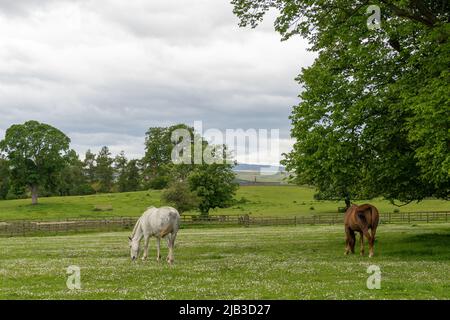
x: 155, y: 222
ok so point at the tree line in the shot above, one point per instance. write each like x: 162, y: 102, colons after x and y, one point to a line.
x: 36, y: 160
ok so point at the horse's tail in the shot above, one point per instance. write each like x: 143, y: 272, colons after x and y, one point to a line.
x: 361, y: 216
x: 361, y: 213
x: 374, y: 217
x: 371, y: 216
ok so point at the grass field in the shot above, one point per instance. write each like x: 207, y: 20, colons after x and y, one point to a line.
x: 239, y: 263
x: 260, y: 201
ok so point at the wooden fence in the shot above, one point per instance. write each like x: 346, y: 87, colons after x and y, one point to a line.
x: 24, y: 228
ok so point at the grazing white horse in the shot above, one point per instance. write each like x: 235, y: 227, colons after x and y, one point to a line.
x: 155, y: 222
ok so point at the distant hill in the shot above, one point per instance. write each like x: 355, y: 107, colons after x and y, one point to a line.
x: 252, y: 174
x: 256, y: 167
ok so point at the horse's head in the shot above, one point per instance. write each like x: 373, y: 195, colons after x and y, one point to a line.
x: 134, y: 248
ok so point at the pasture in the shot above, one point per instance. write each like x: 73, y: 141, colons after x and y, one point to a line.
x: 253, y: 200
x: 303, y: 262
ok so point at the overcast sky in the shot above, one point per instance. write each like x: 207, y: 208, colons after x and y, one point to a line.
x: 105, y: 71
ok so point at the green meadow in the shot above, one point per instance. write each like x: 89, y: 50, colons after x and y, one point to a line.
x: 296, y: 262
x: 252, y: 200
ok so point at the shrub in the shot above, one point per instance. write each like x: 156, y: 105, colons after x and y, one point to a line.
x: 180, y: 196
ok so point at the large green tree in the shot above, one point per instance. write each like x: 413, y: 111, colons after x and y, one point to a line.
x: 193, y: 182
x: 214, y: 184
x: 374, y: 115
x: 157, y: 162
x: 36, y: 153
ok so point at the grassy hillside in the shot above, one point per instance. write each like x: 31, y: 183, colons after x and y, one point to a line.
x: 239, y: 263
x: 123, y: 204
x: 254, y: 200
x: 293, y: 200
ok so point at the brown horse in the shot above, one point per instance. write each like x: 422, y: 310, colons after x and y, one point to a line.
x: 361, y: 219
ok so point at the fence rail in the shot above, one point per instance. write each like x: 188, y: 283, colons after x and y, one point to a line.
x: 24, y: 228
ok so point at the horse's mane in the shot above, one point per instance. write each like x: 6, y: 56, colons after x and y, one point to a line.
x: 136, y: 226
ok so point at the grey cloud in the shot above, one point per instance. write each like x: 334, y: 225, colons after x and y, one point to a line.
x: 171, y: 20
x: 114, y: 70
x: 22, y: 8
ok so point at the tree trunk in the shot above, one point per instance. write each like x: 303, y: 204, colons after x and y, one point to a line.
x: 347, y: 202
x: 34, y: 195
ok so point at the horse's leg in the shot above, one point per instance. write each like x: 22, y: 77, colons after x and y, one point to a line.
x: 361, y: 238
x: 158, y: 249
x: 169, y: 245
x: 347, y: 250
x: 347, y: 240
x: 173, y: 236
x: 146, y: 240
x: 350, y: 240
x: 370, y: 239
x: 353, y: 241
x: 372, y: 242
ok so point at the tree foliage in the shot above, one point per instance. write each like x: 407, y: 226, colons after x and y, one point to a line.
x: 214, y: 184
x: 4, y: 178
x: 210, y: 185
x: 374, y: 115
x: 157, y: 161
x: 104, y: 171
x: 128, y: 173
x: 73, y: 180
x: 36, y: 153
